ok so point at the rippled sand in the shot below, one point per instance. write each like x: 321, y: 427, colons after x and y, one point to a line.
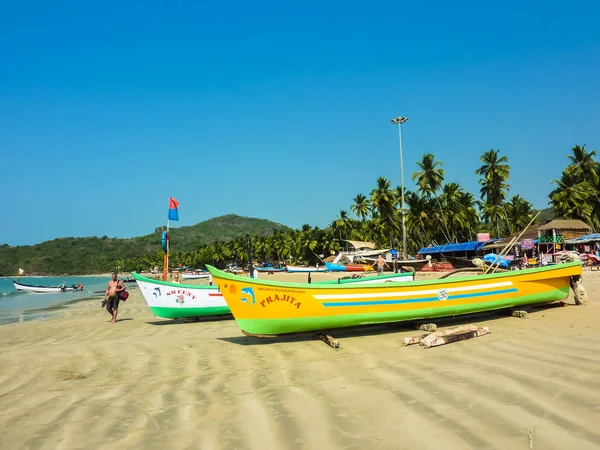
x: 77, y: 381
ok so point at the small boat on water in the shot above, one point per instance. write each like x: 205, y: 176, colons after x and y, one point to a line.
x: 177, y: 301
x: 263, y: 307
x: 46, y: 289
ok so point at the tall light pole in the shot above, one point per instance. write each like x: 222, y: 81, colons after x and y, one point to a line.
x: 399, y: 121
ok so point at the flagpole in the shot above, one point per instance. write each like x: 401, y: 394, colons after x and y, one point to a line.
x: 172, y: 213
x: 167, y: 254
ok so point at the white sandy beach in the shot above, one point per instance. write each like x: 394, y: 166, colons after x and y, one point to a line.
x: 77, y: 381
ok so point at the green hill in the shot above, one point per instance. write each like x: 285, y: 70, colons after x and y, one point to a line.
x: 95, y: 255
x: 546, y: 214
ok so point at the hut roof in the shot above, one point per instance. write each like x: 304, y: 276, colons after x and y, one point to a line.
x: 563, y: 224
x: 531, y: 233
x: 360, y: 244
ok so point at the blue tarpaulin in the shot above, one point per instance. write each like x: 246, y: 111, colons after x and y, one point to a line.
x: 584, y: 239
x: 450, y: 248
x: 491, y: 258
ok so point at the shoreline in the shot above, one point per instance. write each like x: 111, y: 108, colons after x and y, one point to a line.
x: 10, y: 317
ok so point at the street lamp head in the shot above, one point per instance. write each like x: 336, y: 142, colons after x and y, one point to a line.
x: 399, y: 120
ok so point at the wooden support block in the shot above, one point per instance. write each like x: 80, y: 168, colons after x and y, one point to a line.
x: 413, y: 339
x: 579, y: 292
x: 426, y: 326
x: 453, y: 335
x: 520, y: 314
x: 329, y: 340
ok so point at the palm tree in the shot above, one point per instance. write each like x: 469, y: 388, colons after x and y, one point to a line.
x: 430, y: 180
x: 494, y: 174
x: 342, y: 223
x: 570, y: 199
x: 583, y: 166
x: 361, y: 207
x: 468, y: 214
x: 419, y: 220
x: 519, y: 213
x: 493, y: 214
x: 383, y: 201
x: 576, y: 195
x: 431, y: 177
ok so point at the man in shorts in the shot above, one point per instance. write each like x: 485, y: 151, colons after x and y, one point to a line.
x: 380, y: 263
x: 111, y: 296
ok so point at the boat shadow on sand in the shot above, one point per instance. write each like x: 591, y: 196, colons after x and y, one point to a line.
x: 184, y: 320
x: 394, y: 327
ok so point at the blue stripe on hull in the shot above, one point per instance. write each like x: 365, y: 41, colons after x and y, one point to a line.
x: 418, y: 300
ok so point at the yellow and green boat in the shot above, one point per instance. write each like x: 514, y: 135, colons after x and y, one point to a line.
x: 263, y: 307
x: 170, y: 300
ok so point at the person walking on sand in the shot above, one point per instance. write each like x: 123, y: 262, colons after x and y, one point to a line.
x: 380, y: 262
x: 111, y: 296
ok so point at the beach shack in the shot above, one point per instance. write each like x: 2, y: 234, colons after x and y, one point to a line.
x: 553, y: 235
x: 547, y: 238
x: 464, y: 250
x: 588, y: 247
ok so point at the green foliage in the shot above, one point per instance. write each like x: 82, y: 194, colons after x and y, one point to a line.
x: 96, y: 255
x: 576, y: 195
x: 437, y: 213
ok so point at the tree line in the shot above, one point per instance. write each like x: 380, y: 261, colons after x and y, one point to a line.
x: 436, y: 212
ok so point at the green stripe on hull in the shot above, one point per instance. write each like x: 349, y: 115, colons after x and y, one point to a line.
x: 182, y: 313
x: 282, y: 326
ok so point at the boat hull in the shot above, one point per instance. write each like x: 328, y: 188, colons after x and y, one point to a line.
x: 460, y: 263
x: 264, y: 307
x: 271, y: 269
x: 178, y: 301
x: 165, y: 298
x: 415, y: 264
x: 292, y: 269
x: 195, y: 276
x: 42, y: 289
x: 348, y: 267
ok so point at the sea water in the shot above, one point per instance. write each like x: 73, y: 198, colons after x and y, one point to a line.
x: 19, y: 306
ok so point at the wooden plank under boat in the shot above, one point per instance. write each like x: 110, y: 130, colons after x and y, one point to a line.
x: 263, y: 307
x: 46, y: 289
x: 170, y: 300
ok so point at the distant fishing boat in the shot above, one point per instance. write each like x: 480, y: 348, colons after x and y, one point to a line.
x: 292, y: 269
x: 332, y: 267
x: 177, y: 301
x: 195, y: 276
x: 263, y: 307
x: 460, y: 263
x: 46, y: 289
x: 271, y: 269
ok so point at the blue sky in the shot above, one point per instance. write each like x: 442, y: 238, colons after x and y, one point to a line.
x: 275, y: 110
